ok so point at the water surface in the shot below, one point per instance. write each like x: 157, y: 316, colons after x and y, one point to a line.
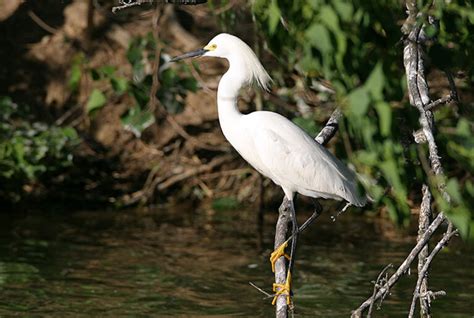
x: 182, y: 262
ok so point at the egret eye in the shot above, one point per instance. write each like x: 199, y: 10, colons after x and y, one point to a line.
x: 212, y: 47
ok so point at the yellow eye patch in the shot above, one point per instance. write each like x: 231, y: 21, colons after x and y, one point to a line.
x: 210, y: 47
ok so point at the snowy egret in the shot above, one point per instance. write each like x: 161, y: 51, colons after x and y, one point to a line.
x: 273, y: 145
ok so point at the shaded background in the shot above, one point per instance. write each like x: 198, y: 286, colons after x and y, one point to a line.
x: 86, y: 124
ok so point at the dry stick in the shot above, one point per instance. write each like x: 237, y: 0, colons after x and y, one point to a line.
x: 403, y: 268
x: 284, y: 218
x: 418, y: 91
x: 194, y: 171
x: 424, y: 271
x: 424, y: 220
x: 377, y: 285
x: 41, y: 23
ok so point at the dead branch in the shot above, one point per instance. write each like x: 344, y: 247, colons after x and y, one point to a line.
x: 194, y: 171
x: 41, y: 23
x: 418, y: 94
x: 404, y: 267
x: 426, y: 300
x: 424, y: 220
x: 330, y: 129
x: 381, y: 280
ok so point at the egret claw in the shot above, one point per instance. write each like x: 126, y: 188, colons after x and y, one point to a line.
x: 283, y: 289
x: 277, y: 253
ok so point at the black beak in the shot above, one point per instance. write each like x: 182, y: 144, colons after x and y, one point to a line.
x: 189, y: 55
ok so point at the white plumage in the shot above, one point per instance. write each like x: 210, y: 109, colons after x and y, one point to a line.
x: 271, y: 143
x: 274, y: 145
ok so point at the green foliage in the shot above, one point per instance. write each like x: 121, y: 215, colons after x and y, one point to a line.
x: 225, y: 203
x: 307, y: 124
x: 356, y: 45
x: 30, y: 150
x: 174, y: 84
x: 137, y: 120
x: 96, y: 100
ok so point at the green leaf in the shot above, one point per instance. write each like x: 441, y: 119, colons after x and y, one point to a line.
x: 329, y: 18
x: 307, y: 124
x: 274, y: 15
x: 375, y: 82
x: 119, y: 84
x: 454, y: 191
x: 225, y: 203
x: 318, y: 36
x: 344, y: 9
x: 137, y: 120
x: 107, y: 70
x: 461, y: 218
x: 359, y: 101
x: 96, y: 100
x: 385, y: 117
x: 75, y: 77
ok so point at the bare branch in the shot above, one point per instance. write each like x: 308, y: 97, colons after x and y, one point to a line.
x: 403, y: 268
x: 442, y: 101
x: 424, y: 220
x: 330, y: 129
x: 424, y: 270
x: 381, y: 280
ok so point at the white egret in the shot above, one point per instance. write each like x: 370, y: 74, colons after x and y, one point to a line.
x: 272, y: 144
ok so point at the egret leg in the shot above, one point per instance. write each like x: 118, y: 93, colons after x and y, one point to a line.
x: 285, y: 288
x: 280, y: 251
x: 318, y: 209
x: 294, y: 238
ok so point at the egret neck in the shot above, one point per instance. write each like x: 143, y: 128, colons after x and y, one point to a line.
x: 227, y: 98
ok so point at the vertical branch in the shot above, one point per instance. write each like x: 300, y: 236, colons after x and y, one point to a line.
x: 413, y: 61
x: 90, y: 19
x: 423, y: 224
x: 281, y: 308
x: 153, y: 101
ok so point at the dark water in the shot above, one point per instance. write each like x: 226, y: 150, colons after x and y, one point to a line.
x: 181, y: 262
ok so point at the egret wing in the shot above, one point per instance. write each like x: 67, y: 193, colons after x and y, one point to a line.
x: 299, y: 164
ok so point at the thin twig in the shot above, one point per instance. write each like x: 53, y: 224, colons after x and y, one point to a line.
x: 377, y: 284
x: 404, y: 267
x: 442, y: 101
x: 126, y: 5
x: 261, y: 290
x: 442, y: 243
x: 194, y: 171
x: 41, y: 23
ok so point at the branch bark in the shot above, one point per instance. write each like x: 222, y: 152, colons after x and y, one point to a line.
x: 424, y: 220
x: 404, y: 267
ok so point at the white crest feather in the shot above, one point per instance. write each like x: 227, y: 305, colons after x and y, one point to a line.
x: 254, y: 69
x: 258, y: 73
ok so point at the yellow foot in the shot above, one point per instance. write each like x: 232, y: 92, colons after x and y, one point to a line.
x: 283, y: 289
x: 276, y: 254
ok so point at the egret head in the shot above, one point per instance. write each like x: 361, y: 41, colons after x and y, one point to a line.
x: 237, y: 52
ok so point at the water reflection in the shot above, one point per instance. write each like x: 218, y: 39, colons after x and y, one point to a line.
x: 185, y: 262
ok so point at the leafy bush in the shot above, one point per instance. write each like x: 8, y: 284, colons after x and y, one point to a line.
x: 174, y: 84
x: 30, y: 150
